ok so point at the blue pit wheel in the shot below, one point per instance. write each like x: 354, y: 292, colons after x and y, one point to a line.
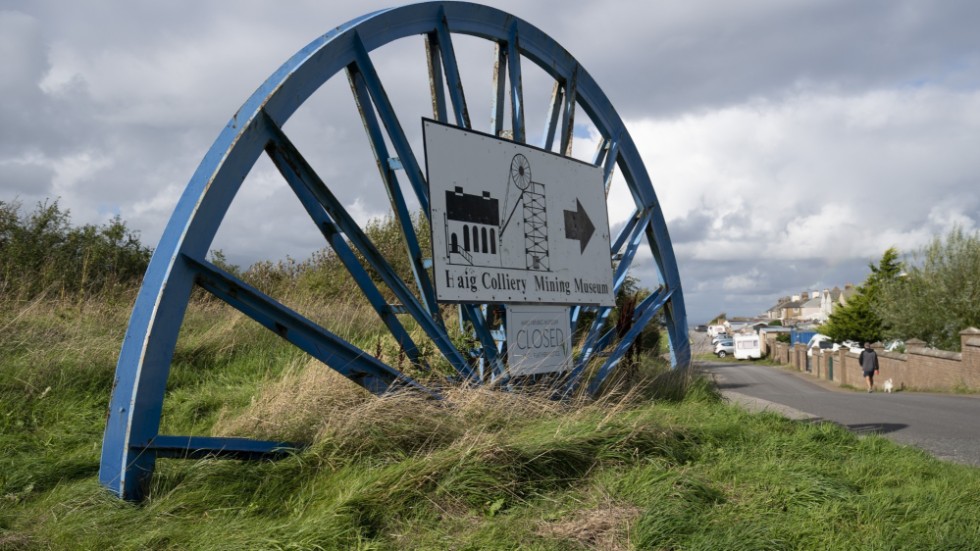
x: 132, y: 441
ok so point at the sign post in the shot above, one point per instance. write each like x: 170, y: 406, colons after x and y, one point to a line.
x: 514, y: 224
x: 538, y: 339
x: 517, y: 225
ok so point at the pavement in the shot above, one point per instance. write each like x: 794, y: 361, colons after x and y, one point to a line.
x: 945, y: 425
x: 758, y: 405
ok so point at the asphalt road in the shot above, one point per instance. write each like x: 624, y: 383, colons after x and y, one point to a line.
x: 948, y: 426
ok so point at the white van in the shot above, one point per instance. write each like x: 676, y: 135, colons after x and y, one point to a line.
x: 748, y: 347
x: 713, y: 330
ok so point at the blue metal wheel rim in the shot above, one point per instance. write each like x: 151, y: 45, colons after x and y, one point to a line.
x: 132, y: 443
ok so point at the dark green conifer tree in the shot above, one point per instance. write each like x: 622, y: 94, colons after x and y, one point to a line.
x: 857, y: 319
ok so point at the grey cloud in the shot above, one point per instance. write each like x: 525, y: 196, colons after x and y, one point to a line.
x: 156, y: 82
x: 685, y: 56
x: 28, y: 181
x: 695, y: 226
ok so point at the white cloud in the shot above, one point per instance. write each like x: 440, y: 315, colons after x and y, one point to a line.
x: 817, y: 176
x: 742, y: 282
x: 70, y: 170
x: 20, y: 49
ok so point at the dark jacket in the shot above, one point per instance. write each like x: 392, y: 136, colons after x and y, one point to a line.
x: 868, y: 360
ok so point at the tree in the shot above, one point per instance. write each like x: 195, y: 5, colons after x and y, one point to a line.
x: 42, y: 252
x: 858, y: 320
x: 940, y: 294
x: 889, y: 268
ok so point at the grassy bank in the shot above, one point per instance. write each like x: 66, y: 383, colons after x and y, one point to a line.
x: 485, y: 470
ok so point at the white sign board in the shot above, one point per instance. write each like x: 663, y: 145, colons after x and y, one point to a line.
x: 538, y: 339
x: 514, y: 224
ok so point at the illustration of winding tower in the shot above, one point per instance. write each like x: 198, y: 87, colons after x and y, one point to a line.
x: 535, y: 213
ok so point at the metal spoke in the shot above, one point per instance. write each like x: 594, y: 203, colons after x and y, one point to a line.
x: 345, y: 358
x: 201, y: 447
x: 516, y: 86
x: 600, y: 344
x: 499, y: 88
x: 433, y: 60
x: 676, y: 318
x: 641, y: 317
x: 632, y: 234
x: 334, y: 236
x: 395, y: 196
x: 608, y: 336
x: 452, y: 72
x: 554, y: 111
x: 298, y: 172
x: 612, y: 159
x: 600, y: 151
x: 568, y: 117
x: 632, y: 246
x: 395, y: 132
x: 473, y: 314
x: 627, y: 231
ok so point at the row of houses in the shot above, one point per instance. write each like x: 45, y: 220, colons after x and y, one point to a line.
x: 810, y: 306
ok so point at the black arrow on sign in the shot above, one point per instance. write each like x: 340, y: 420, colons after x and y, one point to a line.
x: 578, y: 226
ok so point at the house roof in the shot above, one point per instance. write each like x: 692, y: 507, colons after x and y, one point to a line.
x: 780, y: 304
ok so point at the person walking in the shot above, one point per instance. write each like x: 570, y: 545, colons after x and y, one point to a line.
x: 869, y: 365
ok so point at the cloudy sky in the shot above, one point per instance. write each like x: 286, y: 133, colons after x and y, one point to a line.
x: 790, y: 142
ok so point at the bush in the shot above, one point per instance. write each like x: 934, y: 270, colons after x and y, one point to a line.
x: 41, y: 252
x: 939, y: 296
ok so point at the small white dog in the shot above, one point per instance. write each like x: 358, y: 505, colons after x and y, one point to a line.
x: 888, y: 385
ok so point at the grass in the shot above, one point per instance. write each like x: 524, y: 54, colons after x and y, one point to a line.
x: 662, y: 465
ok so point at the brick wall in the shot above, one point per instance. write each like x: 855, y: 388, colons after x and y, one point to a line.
x: 919, y: 368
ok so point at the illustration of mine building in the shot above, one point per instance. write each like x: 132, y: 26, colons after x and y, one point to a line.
x: 472, y: 223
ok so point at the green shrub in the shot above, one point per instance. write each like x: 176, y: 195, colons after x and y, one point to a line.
x: 40, y: 252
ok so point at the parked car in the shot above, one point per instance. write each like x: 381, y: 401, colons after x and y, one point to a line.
x: 721, y: 337
x: 701, y: 328
x: 715, y: 329
x: 895, y: 345
x: 821, y: 342
x: 853, y: 346
x: 724, y: 348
